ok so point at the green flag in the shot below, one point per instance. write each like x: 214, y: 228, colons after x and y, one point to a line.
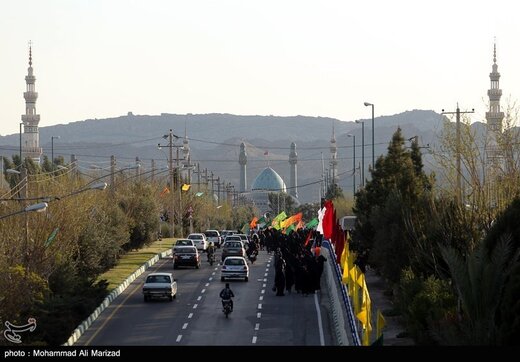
x: 51, y: 237
x: 289, y: 230
x: 245, y: 228
x: 312, y: 224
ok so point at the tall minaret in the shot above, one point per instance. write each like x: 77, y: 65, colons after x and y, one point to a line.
x: 242, y: 160
x: 333, y: 158
x: 293, y: 161
x: 186, y: 157
x: 494, y: 117
x: 31, y: 137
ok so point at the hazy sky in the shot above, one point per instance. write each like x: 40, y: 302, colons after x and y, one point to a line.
x: 103, y: 58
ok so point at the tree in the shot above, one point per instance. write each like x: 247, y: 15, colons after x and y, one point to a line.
x: 397, y: 185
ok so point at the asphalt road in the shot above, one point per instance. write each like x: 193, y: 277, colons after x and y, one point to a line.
x: 195, y: 316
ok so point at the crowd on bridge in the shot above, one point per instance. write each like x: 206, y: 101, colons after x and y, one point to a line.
x: 297, y: 259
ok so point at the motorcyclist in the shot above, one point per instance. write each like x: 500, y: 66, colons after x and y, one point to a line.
x: 226, y: 294
x: 210, y: 250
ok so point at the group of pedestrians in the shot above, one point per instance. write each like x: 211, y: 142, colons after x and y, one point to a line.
x: 294, y: 262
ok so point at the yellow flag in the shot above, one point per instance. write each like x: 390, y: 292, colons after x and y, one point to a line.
x: 380, y: 324
x: 185, y: 187
x: 345, y: 276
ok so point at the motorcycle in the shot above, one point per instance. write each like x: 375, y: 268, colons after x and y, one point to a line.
x: 211, y: 258
x: 226, y: 307
x: 251, y: 255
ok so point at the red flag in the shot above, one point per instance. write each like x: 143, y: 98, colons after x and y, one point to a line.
x: 328, y: 220
x: 308, y: 238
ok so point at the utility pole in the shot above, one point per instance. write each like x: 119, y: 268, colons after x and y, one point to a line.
x: 112, y: 175
x: 458, y: 149
x: 153, y: 170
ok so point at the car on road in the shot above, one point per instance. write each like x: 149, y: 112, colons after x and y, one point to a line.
x: 214, y: 237
x: 234, y: 267
x: 184, y: 242
x: 159, y: 285
x: 200, y: 241
x: 186, y: 256
x: 233, y: 246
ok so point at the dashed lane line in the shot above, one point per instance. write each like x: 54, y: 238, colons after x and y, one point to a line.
x: 179, y: 337
x: 190, y: 315
x: 263, y: 291
x: 259, y: 315
x: 185, y: 325
x: 259, y: 305
x: 257, y: 326
x: 207, y: 285
x: 195, y: 306
x: 203, y: 291
x: 261, y: 297
x: 199, y: 297
x: 254, y: 340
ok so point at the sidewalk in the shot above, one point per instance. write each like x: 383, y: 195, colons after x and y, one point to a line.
x: 376, y: 287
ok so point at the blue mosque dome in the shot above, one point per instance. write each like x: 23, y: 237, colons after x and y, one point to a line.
x: 268, y: 180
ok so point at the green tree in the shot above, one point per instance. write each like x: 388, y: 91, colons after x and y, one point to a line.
x: 397, y: 184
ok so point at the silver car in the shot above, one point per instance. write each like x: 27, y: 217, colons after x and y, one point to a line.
x: 234, y: 267
x: 159, y: 285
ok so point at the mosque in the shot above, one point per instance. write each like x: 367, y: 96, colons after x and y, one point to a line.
x: 269, y: 181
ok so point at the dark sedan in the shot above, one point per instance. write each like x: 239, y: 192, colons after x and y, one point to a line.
x: 186, y: 256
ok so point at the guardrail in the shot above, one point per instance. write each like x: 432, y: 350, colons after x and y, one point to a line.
x: 78, y: 332
x: 343, y: 289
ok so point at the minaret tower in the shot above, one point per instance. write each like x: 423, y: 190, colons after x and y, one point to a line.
x: 333, y: 158
x: 242, y: 160
x: 293, y: 161
x: 31, y: 138
x: 494, y: 117
x: 186, y: 161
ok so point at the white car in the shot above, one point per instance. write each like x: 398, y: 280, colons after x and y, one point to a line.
x: 159, y: 285
x: 234, y: 267
x: 199, y: 240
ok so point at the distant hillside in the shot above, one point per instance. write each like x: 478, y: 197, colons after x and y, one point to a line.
x: 214, y: 140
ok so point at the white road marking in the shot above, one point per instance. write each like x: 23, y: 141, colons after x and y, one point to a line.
x: 318, y: 313
x: 268, y: 265
x: 179, y: 337
x: 263, y: 285
x: 210, y: 279
x: 190, y: 315
x: 213, y: 273
x: 200, y: 297
x: 259, y: 305
x: 265, y: 274
x: 263, y: 290
x: 203, y: 291
x: 257, y: 326
x: 266, y: 269
x: 185, y: 325
x: 216, y: 268
x: 259, y: 280
x: 259, y: 315
x: 265, y: 279
x: 207, y: 285
x: 254, y: 340
x: 195, y: 306
x: 261, y: 297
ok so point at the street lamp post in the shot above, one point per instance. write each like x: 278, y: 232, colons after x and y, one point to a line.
x: 373, y: 157
x: 362, y: 152
x: 39, y: 207
x: 52, y: 148
x: 353, y: 165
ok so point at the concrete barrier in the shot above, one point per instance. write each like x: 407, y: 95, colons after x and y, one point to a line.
x: 78, y: 332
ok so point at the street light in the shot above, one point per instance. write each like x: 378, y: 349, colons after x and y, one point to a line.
x: 362, y: 152
x: 39, y: 207
x: 353, y: 165
x: 373, y: 157
x: 52, y: 148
